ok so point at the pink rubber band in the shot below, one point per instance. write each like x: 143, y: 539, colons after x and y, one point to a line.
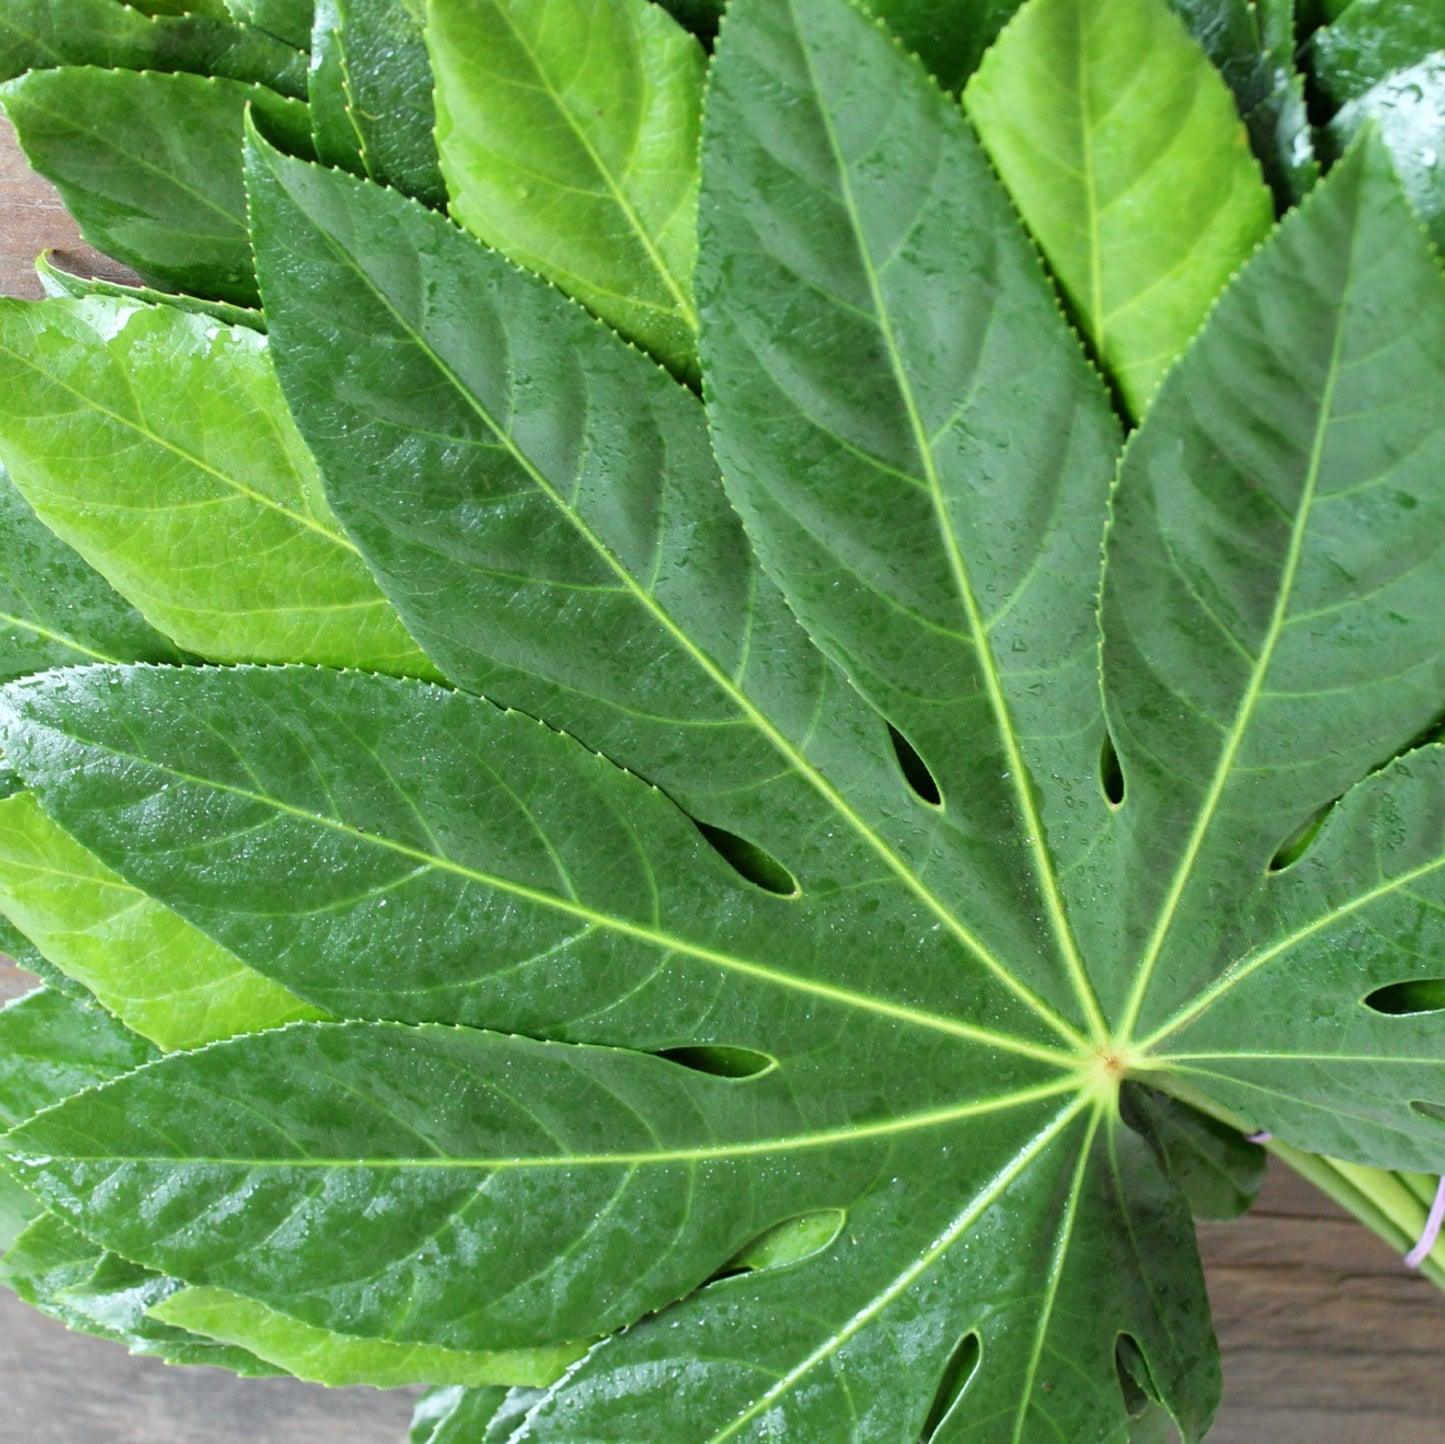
x: 1431, y: 1236
x: 1258, y: 1137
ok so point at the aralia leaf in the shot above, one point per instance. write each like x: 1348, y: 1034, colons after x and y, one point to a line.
x: 337, y: 1360
x: 1384, y: 66
x: 743, y: 722
x: 58, y: 1270
x: 161, y: 977
x: 52, y: 1046
x: 568, y: 138
x: 46, y: 34
x: 1275, y: 572
x: 1124, y: 152
x: 371, y: 95
x: 58, y: 283
x: 157, y: 444
x: 149, y: 165
x: 54, y: 610
x: 288, y: 20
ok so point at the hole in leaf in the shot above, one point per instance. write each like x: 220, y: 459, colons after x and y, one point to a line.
x: 1111, y: 773
x: 789, y: 1242
x: 914, y: 768
x: 1433, y: 1111
x: 1420, y: 995
x: 720, y: 1060
x: 1135, y: 1381
x: 749, y: 861
x: 960, y: 1368
x: 1299, y: 841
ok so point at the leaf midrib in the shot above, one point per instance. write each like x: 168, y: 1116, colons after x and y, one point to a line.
x: 653, y: 937
x: 511, y: 1163
x: 1244, y: 715
x: 682, y: 303
x: 982, y: 640
x: 795, y: 759
x: 142, y: 430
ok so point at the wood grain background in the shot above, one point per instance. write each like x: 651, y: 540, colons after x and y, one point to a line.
x: 1327, y: 1338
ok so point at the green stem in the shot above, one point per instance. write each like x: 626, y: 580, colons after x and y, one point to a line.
x: 1393, y: 1206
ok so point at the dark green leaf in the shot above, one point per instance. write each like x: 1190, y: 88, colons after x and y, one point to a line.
x: 1217, y: 1169
x: 45, y: 34
x: 54, y: 610
x: 371, y: 88
x: 150, y: 166
x: 52, y: 1046
x: 1253, y: 44
x: 288, y: 20
x: 463, y: 1416
x: 1385, y: 66
x: 58, y: 1270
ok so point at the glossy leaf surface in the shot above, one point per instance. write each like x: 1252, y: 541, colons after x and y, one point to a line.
x: 1253, y: 44
x: 157, y: 444
x: 568, y: 138
x: 1385, y: 66
x: 55, y: 611
x: 52, y: 1046
x: 62, y: 1273
x: 371, y: 95
x: 797, y: 991
x: 45, y: 34
x: 149, y: 165
x: 58, y: 283
x: 1124, y: 152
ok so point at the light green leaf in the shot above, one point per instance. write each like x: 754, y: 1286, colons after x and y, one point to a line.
x: 323, y: 1357
x: 161, y: 977
x: 44, y: 34
x: 54, y: 610
x: 1253, y: 44
x: 149, y: 165
x: 58, y: 283
x: 568, y: 139
x: 157, y: 444
x: 1123, y: 150
x: 288, y: 20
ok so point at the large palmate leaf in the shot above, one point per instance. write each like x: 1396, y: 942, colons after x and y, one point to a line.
x: 568, y: 138
x: 770, y: 986
x: 1125, y: 154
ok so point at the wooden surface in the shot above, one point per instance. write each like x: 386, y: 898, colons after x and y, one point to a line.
x: 1327, y: 1338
